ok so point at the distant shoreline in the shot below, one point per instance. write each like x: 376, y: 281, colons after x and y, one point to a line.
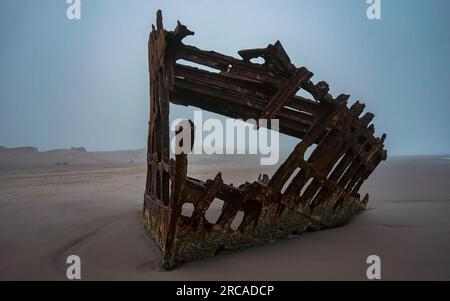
x: 33, y: 149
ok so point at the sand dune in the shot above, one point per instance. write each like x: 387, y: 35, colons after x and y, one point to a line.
x: 91, y: 207
x: 30, y: 158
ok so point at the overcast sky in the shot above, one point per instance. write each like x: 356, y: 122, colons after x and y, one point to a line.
x: 85, y: 83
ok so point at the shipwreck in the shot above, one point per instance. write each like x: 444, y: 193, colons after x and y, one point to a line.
x: 324, y: 189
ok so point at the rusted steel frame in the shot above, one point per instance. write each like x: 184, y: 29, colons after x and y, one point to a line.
x: 176, y: 202
x: 243, y: 71
x: 160, y: 213
x: 380, y: 157
x: 158, y: 141
x: 198, y: 192
x: 326, y: 154
x: 325, y: 163
x: 350, y: 172
x: 236, y: 96
x: 205, y: 200
x: 292, y: 199
x: 371, y: 160
x: 361, y: 153
x: 178, y: 167
x: 309, y: 170
x: 258, y: 94
x: 348, y: 142
x: 274, y: 56
x: 346, y: 152
x: 254, y: 89
x: 328, y: 189
x: 227, y: 106
x: 302, y: 104
x: 231, y: 65
x: 156, y: 220
x: 349, y: 156
x: 319, y: 91
x: 227, y: 193
x: 318, y: 182
x: 247, y: 197
x: 285, y: 93
x: 316, y: 131
x: 322, y: 165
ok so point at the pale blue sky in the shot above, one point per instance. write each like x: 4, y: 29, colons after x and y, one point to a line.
x: 68, y: 83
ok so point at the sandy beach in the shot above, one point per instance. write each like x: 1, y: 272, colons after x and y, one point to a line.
x: 65, y: 202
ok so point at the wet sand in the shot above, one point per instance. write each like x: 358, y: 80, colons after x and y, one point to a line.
x: 92, y: 208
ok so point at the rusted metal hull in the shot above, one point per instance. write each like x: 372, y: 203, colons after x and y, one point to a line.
x: 323, y: 192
